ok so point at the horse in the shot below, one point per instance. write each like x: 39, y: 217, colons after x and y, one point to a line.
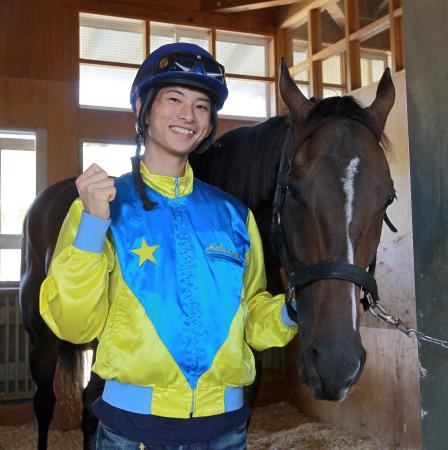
x: 319, y: 178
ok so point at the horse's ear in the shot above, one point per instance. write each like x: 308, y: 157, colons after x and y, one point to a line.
x: 384, y: 100
x: 298, y: 105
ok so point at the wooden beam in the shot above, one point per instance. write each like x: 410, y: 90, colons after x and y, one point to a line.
x: 353, y: 47
x: 234, y: 6
x: 371, y: 29
x: 295, y: 15
x: 331, y: 50
x: 398, y: 12
x: 282, y: 48
x: 300, y: 67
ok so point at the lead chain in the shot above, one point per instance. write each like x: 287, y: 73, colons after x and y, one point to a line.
x: 380, y: 313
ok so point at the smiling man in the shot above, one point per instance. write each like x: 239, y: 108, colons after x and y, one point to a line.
x: 167, y: 272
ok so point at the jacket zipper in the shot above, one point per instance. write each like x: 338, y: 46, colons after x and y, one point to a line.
x: 192, y: 402
x: 176, y: 187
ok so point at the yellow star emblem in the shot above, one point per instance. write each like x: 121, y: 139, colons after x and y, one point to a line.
x: 145, y: 252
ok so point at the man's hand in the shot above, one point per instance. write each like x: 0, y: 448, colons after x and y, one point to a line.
x: 96, y: 190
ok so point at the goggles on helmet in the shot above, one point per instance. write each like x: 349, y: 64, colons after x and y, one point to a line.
x: 188, y: 62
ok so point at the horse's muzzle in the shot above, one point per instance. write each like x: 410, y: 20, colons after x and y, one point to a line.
x: 330, y: 370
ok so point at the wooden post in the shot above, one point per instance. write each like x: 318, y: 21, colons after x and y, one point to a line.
x: 353, y: 60
x: 282, y: 48
x: 315, y: 45
x: 396, y: 36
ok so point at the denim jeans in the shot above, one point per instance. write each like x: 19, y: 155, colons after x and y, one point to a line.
x: 107, y: 439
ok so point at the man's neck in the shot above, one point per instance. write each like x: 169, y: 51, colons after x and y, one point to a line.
x: 168, y: 165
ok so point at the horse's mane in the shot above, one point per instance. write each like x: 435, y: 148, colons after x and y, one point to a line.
x: 244, y: 161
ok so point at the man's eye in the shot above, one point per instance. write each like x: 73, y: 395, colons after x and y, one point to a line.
x: 203, y: 107
x: 174, y: 99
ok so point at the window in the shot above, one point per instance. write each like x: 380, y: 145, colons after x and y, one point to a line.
x: 114, y: 158
x: 333, y: 76
x: 21, y: 152
x: 111, y: 50
x: 375, y: 57
x: 164, y: 33
x: 248, y: 73
x: 373, y: 66
x: 303, y: 82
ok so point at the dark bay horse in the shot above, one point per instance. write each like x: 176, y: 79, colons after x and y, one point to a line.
x: 336, y: 186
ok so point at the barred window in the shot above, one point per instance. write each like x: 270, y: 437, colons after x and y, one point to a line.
x: 113, y: 157
x: 112, y: 48
x: 21, y: 152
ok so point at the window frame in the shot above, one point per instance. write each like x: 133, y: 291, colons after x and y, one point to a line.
x: 13, y: 241
x: 83, y: 140
x: 212, y: 32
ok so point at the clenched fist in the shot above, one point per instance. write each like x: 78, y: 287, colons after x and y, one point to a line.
x: 96, y: 190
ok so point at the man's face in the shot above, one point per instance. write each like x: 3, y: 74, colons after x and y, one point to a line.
x: 179, y: 120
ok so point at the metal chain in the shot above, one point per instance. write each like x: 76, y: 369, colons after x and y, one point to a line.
x: 380, y: 313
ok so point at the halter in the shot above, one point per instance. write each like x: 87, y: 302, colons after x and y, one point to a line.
x: 297, y: 279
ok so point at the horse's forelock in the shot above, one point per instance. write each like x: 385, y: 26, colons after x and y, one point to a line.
x: 346, y: 106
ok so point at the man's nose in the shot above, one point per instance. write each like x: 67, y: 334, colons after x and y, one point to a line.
x: 186, y: 112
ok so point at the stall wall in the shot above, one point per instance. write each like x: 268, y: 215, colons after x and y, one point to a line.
x: 385, y: 402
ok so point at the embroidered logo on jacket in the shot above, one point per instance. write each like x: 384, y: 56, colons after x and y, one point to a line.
x: 220, y: 249
x: 145, y: 252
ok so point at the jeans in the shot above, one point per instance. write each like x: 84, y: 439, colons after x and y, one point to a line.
x: 107, y: 439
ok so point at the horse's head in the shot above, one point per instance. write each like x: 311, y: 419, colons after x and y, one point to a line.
x: 339, y: 187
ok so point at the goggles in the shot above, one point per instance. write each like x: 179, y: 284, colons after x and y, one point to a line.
x: 190, y: 62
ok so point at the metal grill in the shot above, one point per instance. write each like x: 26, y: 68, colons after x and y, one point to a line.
x: 333, y: 75
x: 298, y: 39
x: 375, y: 57
x: 15, y: 378
x: 371, y: 10
x: 333, y: 23
x: 303, y: 83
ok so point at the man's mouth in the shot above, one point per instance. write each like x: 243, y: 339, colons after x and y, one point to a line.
x: 182, y: 131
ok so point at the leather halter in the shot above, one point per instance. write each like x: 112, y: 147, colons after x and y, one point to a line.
x: 298, y: 279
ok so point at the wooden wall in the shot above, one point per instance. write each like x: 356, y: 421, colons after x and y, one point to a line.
x: 385, y: 402
x: 39, y: 53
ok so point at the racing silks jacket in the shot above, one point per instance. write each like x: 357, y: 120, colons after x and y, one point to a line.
x: 174, y: 295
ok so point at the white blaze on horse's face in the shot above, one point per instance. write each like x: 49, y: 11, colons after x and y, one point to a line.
x: 348, y: 184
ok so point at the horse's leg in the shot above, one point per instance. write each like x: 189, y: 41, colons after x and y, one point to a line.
x: 92, y: 391
x: 43, y: 359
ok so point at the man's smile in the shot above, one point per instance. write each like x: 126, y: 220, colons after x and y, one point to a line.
x: 180, y: 130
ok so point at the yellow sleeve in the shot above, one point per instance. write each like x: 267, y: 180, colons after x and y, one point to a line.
x: 264, y: 325
x: 74, y: 296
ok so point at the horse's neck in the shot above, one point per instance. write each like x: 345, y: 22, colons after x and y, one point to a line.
x: 244, y: 161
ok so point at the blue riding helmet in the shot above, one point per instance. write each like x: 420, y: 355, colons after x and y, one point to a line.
x: 181, y: 64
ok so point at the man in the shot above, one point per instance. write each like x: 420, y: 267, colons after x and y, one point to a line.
x: 167, y: 272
